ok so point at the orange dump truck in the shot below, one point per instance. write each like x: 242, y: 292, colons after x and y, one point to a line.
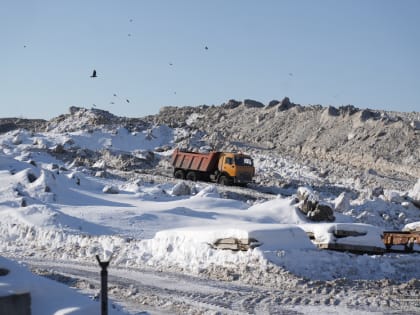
x: 225, y: 168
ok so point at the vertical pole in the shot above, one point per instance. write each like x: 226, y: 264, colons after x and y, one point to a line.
x: 104, y: 285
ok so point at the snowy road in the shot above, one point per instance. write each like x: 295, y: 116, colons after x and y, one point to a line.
x: 140, y: 289
x: 161, y: 292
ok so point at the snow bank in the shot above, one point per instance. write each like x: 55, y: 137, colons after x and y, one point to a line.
x: 279, y: 210
x: 192, y: 248
x: 346, y: 233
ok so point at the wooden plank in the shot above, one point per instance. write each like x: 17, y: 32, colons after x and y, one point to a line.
x: 235, y: 244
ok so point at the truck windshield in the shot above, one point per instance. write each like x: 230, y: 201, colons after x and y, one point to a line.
x: 243, y: 161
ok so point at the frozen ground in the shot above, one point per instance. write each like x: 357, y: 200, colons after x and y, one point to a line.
x: 57, y: 214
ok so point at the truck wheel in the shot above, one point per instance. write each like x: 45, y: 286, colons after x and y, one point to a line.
x: 224, y: 180
x: 179, y: 174
x: 192, y: 176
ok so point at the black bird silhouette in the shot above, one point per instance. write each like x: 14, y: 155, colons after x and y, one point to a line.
x: 93, y: 74
x: 171, y: 64
x: 115, y: 94
x: 206, y: 48
x: 127, y: 100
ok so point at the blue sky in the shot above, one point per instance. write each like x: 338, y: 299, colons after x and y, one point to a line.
x: 361, y: 52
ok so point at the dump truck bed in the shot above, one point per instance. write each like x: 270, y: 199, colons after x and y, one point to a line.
x: 203, y: 162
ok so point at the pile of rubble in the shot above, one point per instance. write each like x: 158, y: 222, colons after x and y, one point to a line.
x: 373, y: 148
x: 378, y: 148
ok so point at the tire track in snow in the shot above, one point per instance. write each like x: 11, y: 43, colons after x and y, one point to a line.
x: 182, y: 292
x: 176, y: 293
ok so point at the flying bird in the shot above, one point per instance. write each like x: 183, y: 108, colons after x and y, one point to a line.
x: 94, y: 74
x: 115, y: 94
x: 127, y: 100
x: 171, y: 64
x: 206, y: 48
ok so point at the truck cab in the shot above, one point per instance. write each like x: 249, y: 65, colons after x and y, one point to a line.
x: 235, y: 168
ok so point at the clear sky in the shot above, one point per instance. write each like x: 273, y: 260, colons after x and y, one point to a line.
x: 152, y: 53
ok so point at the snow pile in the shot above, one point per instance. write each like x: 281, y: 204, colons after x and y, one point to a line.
x: 346, y: 233
x: 279, y: 210
x: 415, y: 193
x: 192, y: 247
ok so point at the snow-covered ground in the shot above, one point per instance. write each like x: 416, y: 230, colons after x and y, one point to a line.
x: 54, y: 211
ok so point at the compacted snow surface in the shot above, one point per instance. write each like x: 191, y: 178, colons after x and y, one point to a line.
x: 55, y: 212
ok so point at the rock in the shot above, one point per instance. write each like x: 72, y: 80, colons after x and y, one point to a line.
x: 304, y: 193
x: 332, y: 111
x: 31, y: 177
x: 322, y: 212
x: 348, y: 110
x: 110, y: 190
x: 231, y: 104
x: 308, y: 198
x: 314, y: 209
x: 59, y: 149
x: 367, y: 114
x: 308, y: 206
x: 285, y: 104
x: 252, y: 104
x: 181, y: 189
x: 273, y: 103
